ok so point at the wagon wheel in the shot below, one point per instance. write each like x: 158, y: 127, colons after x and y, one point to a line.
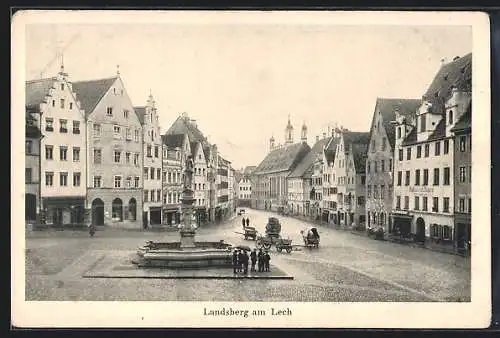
x: 246, y: 237
x: 267, y: 246
x: 278, y: 248
x: 316, y: 245
x: 288, y: 249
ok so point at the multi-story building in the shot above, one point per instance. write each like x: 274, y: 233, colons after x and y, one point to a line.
x: 63, y: 158
x: 462, y: 132
x: 32, y: 163
x: 223, y: 207
x: 152, y: 163
x: 423, y: 158
x: 175, y: 149
x: 349, y: 170
x: 244, y: 186
x: 231, y: 191
x: 185, y: 125
x: 303, y: 180
x: 269, y: 180
x: 379, y: 165
x: 114, y: 152
x: 329, y: 198
x: 200, y: 182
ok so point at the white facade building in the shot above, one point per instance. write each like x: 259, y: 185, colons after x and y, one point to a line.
x: 63, y: 149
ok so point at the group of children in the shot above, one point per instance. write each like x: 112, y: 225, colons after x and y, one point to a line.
x: 241, y: 260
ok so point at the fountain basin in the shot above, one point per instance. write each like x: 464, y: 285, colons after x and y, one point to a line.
x: 173, y: 255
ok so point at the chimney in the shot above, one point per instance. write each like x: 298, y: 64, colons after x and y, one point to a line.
x: 443, y: 61
x: 193, y: 122
x: 317, y: 138
x: 324, y: 135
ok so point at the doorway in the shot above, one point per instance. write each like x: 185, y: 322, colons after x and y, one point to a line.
x: 461, y: 236
x: 97, y: 212
x: 420, y: 235
x: 30, y: 207
x: 57, y: 216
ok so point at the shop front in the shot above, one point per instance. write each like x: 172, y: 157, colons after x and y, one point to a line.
x: 401, y: 224
x: 155, y: 215
x: 171, y: 215
x: 201, y: 215
x: 59, y: 211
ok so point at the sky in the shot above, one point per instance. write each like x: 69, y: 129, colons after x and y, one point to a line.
x: 240, y: 82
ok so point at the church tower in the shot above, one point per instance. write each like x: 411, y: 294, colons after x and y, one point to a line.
x: 289, y: 132
x: 271, y: 143
x: 303, y: 134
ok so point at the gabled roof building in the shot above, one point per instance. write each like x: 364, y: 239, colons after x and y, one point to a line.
x: 424, y: 159
x: 379, y: 163
x: 269, y: 179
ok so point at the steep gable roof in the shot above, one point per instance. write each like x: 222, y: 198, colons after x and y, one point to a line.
x: 356, y: 137
x: 309, y: 159
x: 182, y: 125
x: 331, y: 148
x: 174, y: 140
x: 457, y: 73
x: 36, y: 90
x: 282, y: 159
x: 90, y: 92
x: 141, y: 112
x: 388, y: 107
x: 249, y: 169
x: 359, y: 144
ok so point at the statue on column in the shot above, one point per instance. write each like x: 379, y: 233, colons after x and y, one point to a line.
x: 188, y: 176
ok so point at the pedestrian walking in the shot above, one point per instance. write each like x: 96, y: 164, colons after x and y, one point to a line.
x: 253, y: 259
x: 260, y: 260
x: 248, y: 221
x: 240, y: 261
x: 267, y: 258
x: 235, y: 261
x: 243, y: 222
x: 245, y: 262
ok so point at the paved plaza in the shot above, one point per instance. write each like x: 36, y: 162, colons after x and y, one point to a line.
x: 64, y: 265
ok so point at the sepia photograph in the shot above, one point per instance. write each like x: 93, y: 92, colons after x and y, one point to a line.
x: 244, y: 168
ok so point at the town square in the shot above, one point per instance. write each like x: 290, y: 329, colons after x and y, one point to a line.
x: 295, y: 165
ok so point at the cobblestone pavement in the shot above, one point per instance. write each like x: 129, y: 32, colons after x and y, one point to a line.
x: 345, y: 268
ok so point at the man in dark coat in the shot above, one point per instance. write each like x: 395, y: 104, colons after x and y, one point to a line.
x: 235, y: 260
x: 245, y: 262
x: 267, y: 258
x: 243, y: 222
x: 240, y: 261
x: 253, y: 258
x: 248, y: 221
x: 260, y: 260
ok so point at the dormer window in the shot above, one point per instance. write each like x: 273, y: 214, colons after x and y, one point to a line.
x: 423, y: 126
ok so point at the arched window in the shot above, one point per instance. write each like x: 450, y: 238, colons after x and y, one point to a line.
x: 117, y: 210
x: 132, y: 209
x: 450, y: 117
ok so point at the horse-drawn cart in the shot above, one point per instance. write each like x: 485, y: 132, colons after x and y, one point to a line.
x: 310, y: 237
x: 250, y: 232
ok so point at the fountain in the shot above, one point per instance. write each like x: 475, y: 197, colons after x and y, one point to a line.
x: 186, y: 253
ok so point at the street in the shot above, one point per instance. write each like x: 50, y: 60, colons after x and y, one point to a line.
x: 345, y: 268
